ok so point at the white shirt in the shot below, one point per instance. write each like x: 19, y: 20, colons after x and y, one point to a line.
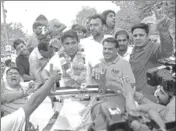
x: 14, y: 121
x: 93, y: 49
x: 126, y: 56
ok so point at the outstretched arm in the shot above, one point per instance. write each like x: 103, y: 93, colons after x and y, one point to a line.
x: 38, y: 97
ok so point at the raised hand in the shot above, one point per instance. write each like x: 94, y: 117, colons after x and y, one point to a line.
x: 126, y: 86
x: 54, y: 74
x: 163, y: 24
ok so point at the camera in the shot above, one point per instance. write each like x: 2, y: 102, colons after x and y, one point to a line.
x: 163, y: 75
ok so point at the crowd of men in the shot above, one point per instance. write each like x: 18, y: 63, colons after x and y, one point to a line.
x: 97, y: 54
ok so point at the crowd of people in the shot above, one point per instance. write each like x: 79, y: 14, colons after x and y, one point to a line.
x: 97, y: 54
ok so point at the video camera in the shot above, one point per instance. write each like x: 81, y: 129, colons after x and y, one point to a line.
x: 163, y: 75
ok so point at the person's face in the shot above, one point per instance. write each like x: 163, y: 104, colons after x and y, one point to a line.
x: 163, y: 97
x: 96, y: 27
x: 70, y: 45
x: 38, y: 30
x: 140, y: 37
x: 123, y: 41
x: 47, y: 54
x: 109, y: 51
x: 13, y: 77
x: 110, y: 20
x: 80, y: 34
x: 22, y: 49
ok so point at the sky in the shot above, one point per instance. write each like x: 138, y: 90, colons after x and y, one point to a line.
x: 26, y: 12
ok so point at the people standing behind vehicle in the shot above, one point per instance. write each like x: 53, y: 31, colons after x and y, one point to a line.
x: 125, y: 48
x: 71, y: 61
x: 145, y: 54
x: 112, y: 67
x: 22, y: 60
x: 93, y: 44
x: 38, y: 58
x: 37, y: 27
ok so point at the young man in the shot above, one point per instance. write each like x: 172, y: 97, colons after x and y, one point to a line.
x: 38, y: 58
x: 124, y: 47
x: 93, y: 44
x: 71, y: 61
x: 17, y: 120
x: 112, y: 67
x: 109, y: 16
x: 145, y: 54
x: 22, y: 60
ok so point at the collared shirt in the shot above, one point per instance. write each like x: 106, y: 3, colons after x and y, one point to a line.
x: 37, y: 63
x: 126, y: 56
x: 14, y: 122
x: 74, y: 72
x: 93, y: 49
x: 146, y: 58
x: 115, y: 70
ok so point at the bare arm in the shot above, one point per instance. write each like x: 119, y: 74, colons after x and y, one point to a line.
x: 38, y: 97
x: 27, y: 77
x: 166, y: 48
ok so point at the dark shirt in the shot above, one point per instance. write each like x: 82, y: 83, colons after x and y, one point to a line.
x: 22, y: 63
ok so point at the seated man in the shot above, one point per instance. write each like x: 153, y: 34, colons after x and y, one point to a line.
x: 13, y: 93
x: 17, y: 120
x: 71, y: 61
x: 38, y: 58
x: 113, y: 67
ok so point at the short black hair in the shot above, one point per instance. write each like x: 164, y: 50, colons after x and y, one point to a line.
x: 17, y: 42
x: 43, y: 46
x: 106, y: 12
x: 124, y: 32
x: 69, y: 33
x: 36, y: 24
x: 111, y: 40
x: 12, y: 68
x: 7, y: 62
x: 99, y: 16
x: 141, y: 26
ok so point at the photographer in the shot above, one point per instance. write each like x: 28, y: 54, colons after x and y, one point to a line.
x: 162, y: 112
x: 134, y: 110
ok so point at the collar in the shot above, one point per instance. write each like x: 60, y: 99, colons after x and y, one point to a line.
x: 142, y: 48
x: 112, y: 62
x: 38, y: 55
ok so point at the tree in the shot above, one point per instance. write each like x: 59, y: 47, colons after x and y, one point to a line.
x: 83, y: 14
x: 132, y: 12
x: 14, y: 31
x: 128, y: 14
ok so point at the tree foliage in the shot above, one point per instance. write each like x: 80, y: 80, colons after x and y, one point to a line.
x: 14, y: 31
x: 128, y: 14
x: 83, y: 14
x: 132, y: 12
